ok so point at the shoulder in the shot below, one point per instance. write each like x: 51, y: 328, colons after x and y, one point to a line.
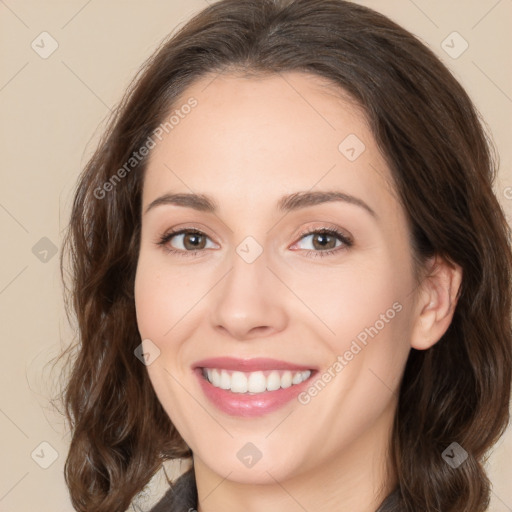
x: 391, y: 503
x: 181, y: 496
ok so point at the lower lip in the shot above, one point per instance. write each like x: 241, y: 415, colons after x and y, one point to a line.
x: 249, y: 405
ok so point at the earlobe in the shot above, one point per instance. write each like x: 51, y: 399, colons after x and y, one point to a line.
x: 436, y: 303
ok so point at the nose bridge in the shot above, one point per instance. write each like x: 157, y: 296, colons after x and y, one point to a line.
x: 247, y: 299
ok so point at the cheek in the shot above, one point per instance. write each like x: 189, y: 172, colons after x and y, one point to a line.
x: 149, y: 301
x: 161, y: 300
x: 163, y: 295
x: 350, y: 300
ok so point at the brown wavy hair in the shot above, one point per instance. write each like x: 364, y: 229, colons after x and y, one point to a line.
x: 444, y: 165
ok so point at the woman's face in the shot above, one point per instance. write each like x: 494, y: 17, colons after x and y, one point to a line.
x: 255, y: 277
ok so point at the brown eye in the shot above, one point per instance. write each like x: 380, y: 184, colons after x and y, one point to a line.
x: 185, y: 241
x: 323, y: 241
x: 192, y: 241
x: 326, y: 240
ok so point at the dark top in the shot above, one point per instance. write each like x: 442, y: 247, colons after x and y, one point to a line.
x: 182, y: 497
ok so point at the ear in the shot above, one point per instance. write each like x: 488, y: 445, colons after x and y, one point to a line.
x: 436, y: 302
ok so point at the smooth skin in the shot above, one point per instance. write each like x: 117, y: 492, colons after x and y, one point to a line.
x: 247, y: 143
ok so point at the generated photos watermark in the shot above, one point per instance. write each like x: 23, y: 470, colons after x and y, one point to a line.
x: 341, y: 361
x: 137, y: 156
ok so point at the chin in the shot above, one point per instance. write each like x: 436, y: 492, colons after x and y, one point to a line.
x: 260, y: 473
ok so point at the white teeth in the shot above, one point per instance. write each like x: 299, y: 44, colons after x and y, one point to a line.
x: 273, y: 381
x: 238, y: 382
x: 286, y: 380
x: 225, y: 381
x: 254, y: 382
x: 215, y: 377
x: 298, y: 378
x: 257, y: 382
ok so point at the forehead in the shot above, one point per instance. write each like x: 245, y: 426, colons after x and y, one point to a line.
x: 253, y: 135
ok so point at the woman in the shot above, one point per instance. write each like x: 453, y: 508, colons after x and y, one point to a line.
x: 289, y: 266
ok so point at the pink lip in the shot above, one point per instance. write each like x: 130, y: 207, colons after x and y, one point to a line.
x: 247, y: 404
x: 249, y: 365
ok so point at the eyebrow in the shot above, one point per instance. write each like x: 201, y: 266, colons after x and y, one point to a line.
x: 287, y: 203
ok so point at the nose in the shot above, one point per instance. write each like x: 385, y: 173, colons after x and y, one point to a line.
x: 250, y: 301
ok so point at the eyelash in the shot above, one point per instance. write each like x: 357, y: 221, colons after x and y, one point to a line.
x: 166, y: 238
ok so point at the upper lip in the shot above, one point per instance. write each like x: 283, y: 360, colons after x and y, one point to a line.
x: 249, y: 365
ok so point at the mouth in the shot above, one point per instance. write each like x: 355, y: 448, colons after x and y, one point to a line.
x: 254, y: 382
x: 251, y: 387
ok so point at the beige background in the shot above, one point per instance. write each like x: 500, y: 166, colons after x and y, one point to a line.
x: 52, y: 112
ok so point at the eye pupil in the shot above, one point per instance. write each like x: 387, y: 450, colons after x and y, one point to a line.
x: 195, y: 244
x: 323, y: 240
